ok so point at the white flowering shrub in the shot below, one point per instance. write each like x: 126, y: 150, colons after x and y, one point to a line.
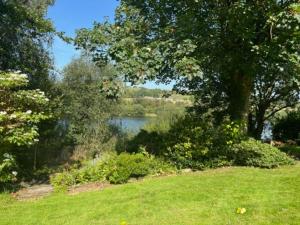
x: 8, y: 171
x: 20, y: 110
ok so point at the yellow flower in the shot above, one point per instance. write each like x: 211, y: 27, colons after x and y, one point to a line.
x: 240, y: 210
x: 123, y: 223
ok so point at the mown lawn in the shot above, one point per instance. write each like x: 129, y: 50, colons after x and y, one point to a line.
x: 210, y: 197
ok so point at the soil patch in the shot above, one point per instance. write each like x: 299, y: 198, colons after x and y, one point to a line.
x: 87, y: 187
x: 34, y: 192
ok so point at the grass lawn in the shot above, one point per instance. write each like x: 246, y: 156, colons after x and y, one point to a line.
x: 210, y: 197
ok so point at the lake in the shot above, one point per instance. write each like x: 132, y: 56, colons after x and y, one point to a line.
x: 135, y: 124
x: 129, y: 124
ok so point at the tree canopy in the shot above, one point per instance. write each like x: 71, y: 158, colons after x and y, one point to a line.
x: 86, y: 108
x: 234, y: 41
x: 25, y: 35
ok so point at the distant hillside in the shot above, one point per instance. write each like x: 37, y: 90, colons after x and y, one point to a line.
x: 151, y: 94
x: 143, y: 102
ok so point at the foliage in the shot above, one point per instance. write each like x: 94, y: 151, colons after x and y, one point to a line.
x: 25, y: 45
x: 231, y: 42
x: 293, y: 151
x: 20, y: 110
x: 191, y: 142
x: 8, y: 173
x: 86, y: 108
x: 257, y: 154
x: 287, y: 127
x: 199, y: 143
x: 203, y: 146
x: 26, y: 34
x: 127, y: 166
x: 62, y: 181
x: 116, y: 169
x: 151, y: 107
x: 272, y: 93
x: 140, y: 92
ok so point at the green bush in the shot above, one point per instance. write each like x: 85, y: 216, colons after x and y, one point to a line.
x: 293, y: 151
x: 8, y: 172
x: 197, y: 143
x: 288, y: 127
x: 61, y: 181
x: 257, y: 154
x: 116, y: 169
x: 126, y: 166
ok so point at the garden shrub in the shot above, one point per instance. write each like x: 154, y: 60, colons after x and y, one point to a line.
x: 258, y: 154
x: 90, y: 173
x: 8, y: 173
x: 288, y: 127
x: 61, y: 181
x: 290, y: 150
x: 116, y: 169
x: 197, y: 143
x: 126, y: 166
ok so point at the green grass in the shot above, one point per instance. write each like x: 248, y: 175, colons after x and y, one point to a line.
x: 210, y: 197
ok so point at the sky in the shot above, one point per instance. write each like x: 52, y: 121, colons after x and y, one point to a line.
x: 70, y: 15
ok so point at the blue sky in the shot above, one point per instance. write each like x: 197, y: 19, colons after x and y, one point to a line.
x: 68, y: 16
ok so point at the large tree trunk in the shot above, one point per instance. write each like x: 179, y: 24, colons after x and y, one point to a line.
x: 239, y: 93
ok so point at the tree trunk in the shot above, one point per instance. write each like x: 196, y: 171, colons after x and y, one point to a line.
x: 240, y: 88
x: 260, y: 122
x: 34, y: 158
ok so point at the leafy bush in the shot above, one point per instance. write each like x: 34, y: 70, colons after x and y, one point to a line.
x: 61, y: 181
x: 197, y: 143
x: 117, y: 169
x: 257, y: 154
x: 126, y: 166
x: 7, y: 170
x: 288, y: 127
x: 293, y: 151
x: 96, y: 173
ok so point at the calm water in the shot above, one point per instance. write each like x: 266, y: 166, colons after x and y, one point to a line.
x: 129, y: 124
x: 134, y: 125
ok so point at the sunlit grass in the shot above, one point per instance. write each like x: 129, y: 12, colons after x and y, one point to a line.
x: 210, y: 197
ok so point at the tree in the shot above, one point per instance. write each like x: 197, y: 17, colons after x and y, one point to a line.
x: 86, y: 108
x: 273, y: 92
x: 173, y: 40
x: 25, y: 35
x: 288, y: 127
x: 25, y: 39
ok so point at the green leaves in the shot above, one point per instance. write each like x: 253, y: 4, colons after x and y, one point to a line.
x: 7, y: 169
x: 20, y: 110
x: 12, y: 79
x: 199, y: 42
